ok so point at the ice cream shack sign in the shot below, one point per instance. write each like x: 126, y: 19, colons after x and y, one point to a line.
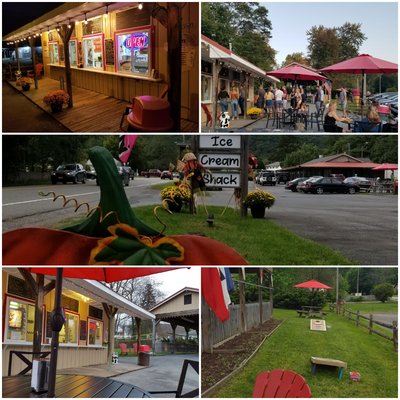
x: 221, y: 154
x: 138, y: 40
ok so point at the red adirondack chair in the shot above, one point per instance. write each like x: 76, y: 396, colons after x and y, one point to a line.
x: 208, y: 114
x: 124, y: 348
x: 280, y: 383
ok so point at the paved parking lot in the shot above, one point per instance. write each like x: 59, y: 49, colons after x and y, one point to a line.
x: 363, y: 227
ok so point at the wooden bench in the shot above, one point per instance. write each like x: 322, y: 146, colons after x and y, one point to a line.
x: 302, y: 312
x: 280, y: 383
x: 329, y: 362
x: 317, y: 314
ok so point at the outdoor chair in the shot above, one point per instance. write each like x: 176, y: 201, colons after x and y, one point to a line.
x: 39, y: 69
x: 365, y: 126
x: 318, y: 118
x: 280, y: 383
x: 276, y: 117
x: 208, y: 114
x: 179, y: 390
x: 124, y: 349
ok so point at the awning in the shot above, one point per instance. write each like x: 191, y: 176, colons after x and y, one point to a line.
x: 339, y: 165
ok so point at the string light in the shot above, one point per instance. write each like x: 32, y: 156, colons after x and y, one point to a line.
x: 86, y: 21
x: 69, y: 24
x: 140, y: 6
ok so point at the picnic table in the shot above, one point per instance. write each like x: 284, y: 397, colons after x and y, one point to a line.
x: 69, y: 386
x: 311, y: 312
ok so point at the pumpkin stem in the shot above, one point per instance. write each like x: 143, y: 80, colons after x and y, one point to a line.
x: 113, y: 201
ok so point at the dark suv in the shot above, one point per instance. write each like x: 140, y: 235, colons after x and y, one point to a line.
x: 69, y: 173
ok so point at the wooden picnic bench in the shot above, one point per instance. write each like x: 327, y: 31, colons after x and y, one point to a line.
x: 280, y: 383
x: 302, y: 312
x: 329, y: 362
x: 311, y: 313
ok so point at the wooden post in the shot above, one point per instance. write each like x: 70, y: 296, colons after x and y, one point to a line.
x: 206, y: 331
x: 173, y: 336
x: 358, y: 318
x: 17, y: 57
x: 242, y: 299
x: 32, y: 42
x: 271, y: 297
x: 174, y: 34
x: 260, y: 295
x: 65, y: 35
x: 110, y: 312
x: 216, y: 70
x: 138, y: 325
x: 56, y: 326
x: 154, y: 335
x: 395, y: 336
x: 370, y: 324
x: 195, y: 150
x: 244, y: 175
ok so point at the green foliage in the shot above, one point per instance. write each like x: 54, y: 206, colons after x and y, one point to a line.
x: 297, y: 57
x: 306, y: 152
x: 245, y: 25
x: 356, y: 299
x: 294, y: 298
x: 350, y: 40
x: 369, y: 277
x: 383, y: 291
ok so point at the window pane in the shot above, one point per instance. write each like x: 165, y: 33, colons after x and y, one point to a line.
x: 73, y: 57
x: 95, y: 332
x: 53, y: 52
x: 17, y: 317
x: 124, y: 53
x: 206, y: 88
x: 93, y: 50
x: 187, y: 299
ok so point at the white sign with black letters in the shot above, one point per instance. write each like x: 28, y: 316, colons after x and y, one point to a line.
x: 223, y: 179
x: 219, y: 142
x: 219, y: 160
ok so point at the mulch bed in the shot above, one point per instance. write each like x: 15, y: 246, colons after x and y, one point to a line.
x: 227, y: 357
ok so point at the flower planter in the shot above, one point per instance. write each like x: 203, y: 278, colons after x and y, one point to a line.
x: 26, y: 87
x: 253, y: 116
x: 258, y: 211
x: 174, y: 206
x: 56, y: 107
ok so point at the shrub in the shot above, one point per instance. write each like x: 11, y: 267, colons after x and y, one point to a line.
x: 356, y: 299
x: 294, y: 298
x: 383, y: 291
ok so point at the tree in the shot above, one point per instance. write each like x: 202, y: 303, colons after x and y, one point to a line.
x: 383, y: 291
x: 297, y: 58
x: 306, y: 152
x: 350, y: 39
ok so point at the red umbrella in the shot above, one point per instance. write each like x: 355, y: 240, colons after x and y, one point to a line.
x: 363, y: 64
x: 296, y: 72
x: 386, y: 167
x: 312, y: 284
x: 108, y: 274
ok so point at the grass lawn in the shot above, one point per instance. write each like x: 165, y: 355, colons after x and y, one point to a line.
x: 373, y: 307
x: 259, y: 241
x: 292, y: 345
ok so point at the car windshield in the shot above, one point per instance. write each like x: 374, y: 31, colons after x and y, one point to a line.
x: 68, y: 167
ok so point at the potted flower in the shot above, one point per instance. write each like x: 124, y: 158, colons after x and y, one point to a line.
x: 55, y: 99
x: 254, y: 112
x: 258, y: 201
x: 25, y: 83
x: 175, y: 196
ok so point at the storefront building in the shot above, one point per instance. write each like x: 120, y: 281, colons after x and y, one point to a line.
x: 84, y: 336
x: 220, y: 67
x: 122, y: 50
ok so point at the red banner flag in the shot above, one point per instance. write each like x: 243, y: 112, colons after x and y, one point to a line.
x: 126, y: 143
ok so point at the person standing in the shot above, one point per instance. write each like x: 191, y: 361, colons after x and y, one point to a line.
x: 279, y: 99
x: 242, y: 99
x: 269, y: 101
x: 285, y: 97
x: 234, y: 95
x: 318, y: 99
x: 343, y: 100
x: 223, y: 97
x: 260, y: 99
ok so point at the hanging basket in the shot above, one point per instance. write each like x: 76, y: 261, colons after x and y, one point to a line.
x: 258, y: 211
x: 56, y: 107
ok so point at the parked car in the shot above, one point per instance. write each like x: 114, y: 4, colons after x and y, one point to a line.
x: 267, y: 178
x: 69, y: 173
x: 363, y: 183
x: 292, y: 185
x: 166, y: 175
x: 282, y: 177
x: 341, y: 177
x: 151, y: 172
x: 302, y: 186
x: 331, y: 185
x: 124, y: 174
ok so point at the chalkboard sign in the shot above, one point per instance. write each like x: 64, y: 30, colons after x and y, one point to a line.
x: 109, y: 47
x: 133, y: 17
x: 93, y: 26
x: 48, y: 325
x: 82, y: 330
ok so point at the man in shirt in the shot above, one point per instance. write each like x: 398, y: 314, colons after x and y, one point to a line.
x: 279, y: 99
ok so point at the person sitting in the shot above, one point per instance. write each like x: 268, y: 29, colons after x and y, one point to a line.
x: 371, y: 123
x: 331, y: 118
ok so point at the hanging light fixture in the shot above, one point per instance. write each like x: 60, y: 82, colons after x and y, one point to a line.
x: 86, y: 21
x: 140, y: 6
x: 69, y: 24
x: 106, y: 10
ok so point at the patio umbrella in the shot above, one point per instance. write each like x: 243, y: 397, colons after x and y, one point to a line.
x: 386, y: 167
x: 296, y: 72
x: 363, y: 64
x: 312, y: 284
x: 109, y: 274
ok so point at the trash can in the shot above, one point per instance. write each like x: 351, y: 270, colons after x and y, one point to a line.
x: 40, y: 375
x: 144, y: 359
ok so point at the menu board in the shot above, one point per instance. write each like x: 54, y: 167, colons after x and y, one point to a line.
x: 93, y: 26
x: 82, y: 330
x: 109, y: 48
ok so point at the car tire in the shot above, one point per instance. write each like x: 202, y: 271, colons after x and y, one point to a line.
x: 54, y: 182
x: 83, y: 180
x: 320, y: 190
x: 351, y: 190
x: 74, y: 180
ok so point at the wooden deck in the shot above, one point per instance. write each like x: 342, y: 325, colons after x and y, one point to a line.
x: 69, y: 386
x: 92, y: 112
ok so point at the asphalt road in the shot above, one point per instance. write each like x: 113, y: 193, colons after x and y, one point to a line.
x: 386, y: 318
x: 34, y: 119
x: 363, y: 227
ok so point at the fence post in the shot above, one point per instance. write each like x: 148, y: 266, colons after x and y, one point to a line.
x: 358, y: 318
x: 370, y: 324
x: 344, y: 311
x: 395, y: 335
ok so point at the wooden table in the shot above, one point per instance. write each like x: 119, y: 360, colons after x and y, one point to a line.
x: 69, y: 386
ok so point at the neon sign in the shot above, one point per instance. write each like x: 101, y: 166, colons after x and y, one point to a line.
x: 138, y: 40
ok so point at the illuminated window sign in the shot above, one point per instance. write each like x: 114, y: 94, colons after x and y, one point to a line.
x: 134, y: 51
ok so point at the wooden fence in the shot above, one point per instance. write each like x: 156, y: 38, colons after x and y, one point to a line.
x: 220, y: 331
x: 368, y: 323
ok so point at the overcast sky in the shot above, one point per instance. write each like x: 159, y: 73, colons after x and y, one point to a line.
x: 290, y: 22
x: 173, y: 281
